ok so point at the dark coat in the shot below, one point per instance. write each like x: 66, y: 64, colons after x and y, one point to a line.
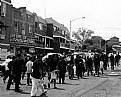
x: 89, y: 63
x: 62, y: 66
x: 37, y: 69
x: 17, y: 66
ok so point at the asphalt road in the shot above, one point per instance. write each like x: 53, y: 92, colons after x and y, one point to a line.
x: 107, y: 85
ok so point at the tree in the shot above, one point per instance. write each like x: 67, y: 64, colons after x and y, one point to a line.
x: 85, y: 34
x: 82, y: 34
x: 88, y: 41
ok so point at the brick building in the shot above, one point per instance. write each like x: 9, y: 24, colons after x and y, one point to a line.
x: 22, y: 35
x: 5, y: 27
x: 43, y: 41
x: 60, y: 35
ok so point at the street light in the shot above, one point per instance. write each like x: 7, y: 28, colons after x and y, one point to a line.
x: 73, y: 21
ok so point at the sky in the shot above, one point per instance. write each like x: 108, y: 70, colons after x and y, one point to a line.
x: 101, y: 16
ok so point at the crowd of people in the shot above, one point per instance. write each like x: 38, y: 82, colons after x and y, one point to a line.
x: 54, y: 68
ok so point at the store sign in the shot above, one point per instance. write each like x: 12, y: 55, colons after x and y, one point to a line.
x: 22, y: 39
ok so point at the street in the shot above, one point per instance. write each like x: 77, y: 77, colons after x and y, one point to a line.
x: 107, y: 85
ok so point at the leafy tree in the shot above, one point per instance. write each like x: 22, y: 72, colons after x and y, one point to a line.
x: 88, y: 41
x: 82, y: 34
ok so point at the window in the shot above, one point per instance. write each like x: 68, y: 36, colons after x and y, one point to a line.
x: 63, y: 32
x: 23, y: 28
x: 3, y: 9
x: 35, y: 25
x: 16, y: 26
x: 40, y: 26
x: 30, y: 29
x: 23, y: 31
x: 2, y: 32
x: 28, y: 16
x: 54, y: 28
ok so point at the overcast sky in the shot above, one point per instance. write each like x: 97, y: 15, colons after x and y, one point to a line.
x: 101, y: 16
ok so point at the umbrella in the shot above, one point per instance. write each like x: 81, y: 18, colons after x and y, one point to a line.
x: 46, y: 56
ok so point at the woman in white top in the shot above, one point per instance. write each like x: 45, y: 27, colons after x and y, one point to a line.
x: 6, y: 68
x: 29, y: 64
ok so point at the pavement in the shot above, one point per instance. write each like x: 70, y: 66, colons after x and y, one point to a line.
x: 107, y: 85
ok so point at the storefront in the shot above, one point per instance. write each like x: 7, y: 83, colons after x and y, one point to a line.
x: 4, y: 51
x: 22, y: 44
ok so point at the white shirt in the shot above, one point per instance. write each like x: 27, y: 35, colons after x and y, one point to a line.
x: 29, y: 64
x: 5, y: 63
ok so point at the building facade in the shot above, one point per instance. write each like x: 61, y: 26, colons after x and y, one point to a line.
x: 60, y: 34
x: 113, y: 41
x: 5, y: 27
x: 43, y: 41
x: 22, y: 31
x: 22, y: 36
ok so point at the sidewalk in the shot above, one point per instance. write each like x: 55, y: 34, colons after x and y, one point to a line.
x: 70, y: 89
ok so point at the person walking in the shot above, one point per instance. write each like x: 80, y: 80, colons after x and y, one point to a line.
x: 17, y: 71
x: 29, y: 65
x: 79, y: 65
x: 97, y: 64
x: 62, y: 70
x: 6, y: 68
x: 70, y: 68
x: 112, y: 61
x: 89, y: 65
x: 117, y: 58
x: 52, y: 68
x: 37, y: 75
x: 105, y: 61
x: 11, y: 77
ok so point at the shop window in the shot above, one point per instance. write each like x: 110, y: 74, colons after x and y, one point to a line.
x: 3, y: 9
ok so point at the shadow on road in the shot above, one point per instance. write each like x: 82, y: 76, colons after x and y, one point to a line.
x: 23, y: 92
x: 59, y: 88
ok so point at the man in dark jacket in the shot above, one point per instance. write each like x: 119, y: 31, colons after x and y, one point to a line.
x: 37, y: 75
x: 89, y: 64
x: 97, y: 64
x: 62, y: 70
x: 79, y: 66
x: 17, y: 70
